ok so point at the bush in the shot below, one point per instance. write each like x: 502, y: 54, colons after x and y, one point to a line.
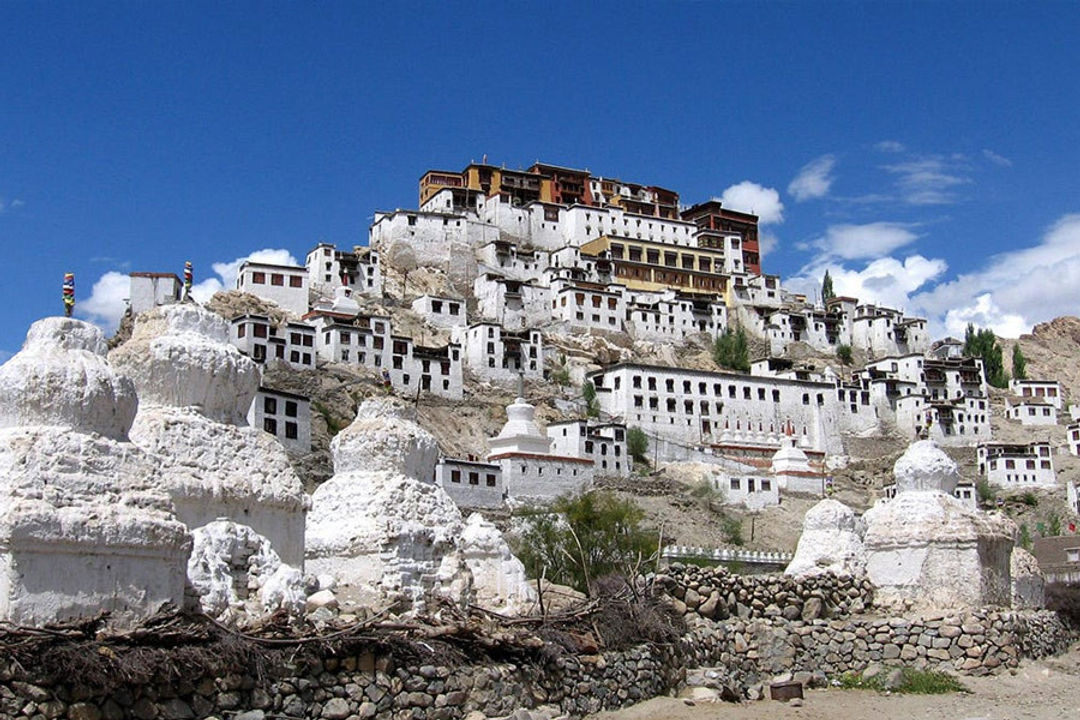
x: 588, y: 394
x: 843, y: 354
x: 1025, y: 537
x: 985, y: 492
x: 637, y: 444
x: 583, y: 537
x: 1064, y: 599
x: 730, y: 351
x: 912, y: 681
x: 1030, y: 499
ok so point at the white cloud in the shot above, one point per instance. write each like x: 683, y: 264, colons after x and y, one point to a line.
x: 872, y: 240
x: 886, y: 280
x: 814, y: 180
x: 750, y: 197
x: 984, y: 312
x: 108, y: 298
x: 889, y: 146
x: 929, y: 181
x: 997, y: 159
x: 6, y: 206
x: 767, y: 242
x: 1016, y: 289
x: 107, y: 302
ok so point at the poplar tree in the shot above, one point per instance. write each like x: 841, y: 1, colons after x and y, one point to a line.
x: 1019, y: 369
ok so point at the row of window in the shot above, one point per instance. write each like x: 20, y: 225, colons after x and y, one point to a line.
x: 277, y: 279
x: 270, y: 425
x: 474, y: 478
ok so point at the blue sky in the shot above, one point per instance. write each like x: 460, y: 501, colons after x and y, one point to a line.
x: 927, y: 153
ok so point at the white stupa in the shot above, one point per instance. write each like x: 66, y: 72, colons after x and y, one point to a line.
x: 927, y: 550
x: 520, y: 434
x: 194, y: 393
x: 83, y: 525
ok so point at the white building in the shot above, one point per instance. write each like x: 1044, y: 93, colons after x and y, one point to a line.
x: 696, y: 408
x: 284, y: 285
x: 965, y: 492
x: 1017, y: 466
x: 439, y: 311
x: 514, y: 304
x: 262, y: 341
x: 149, y: 290
x: 506, y: 258
x: 471, y: 484
x: 368, y: 341
x: 1031, y: 412
x: 670, y: 316
x: 1048, y: 391
x: 493, y: 353
x: 1072, y: 438
x: 529, y: 467
x: 791, y: 470
x: 359, y: 269
x: 284, y: 415
x: 751, y: 488
x: 603, y: 443
x: 584, y: 306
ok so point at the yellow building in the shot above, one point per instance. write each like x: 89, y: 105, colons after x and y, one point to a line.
x: 646, y: 265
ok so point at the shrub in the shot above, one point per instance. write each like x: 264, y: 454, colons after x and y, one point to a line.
x: 584, y: 537
x: 1064, y: 599
x: 1025, y: 537
x: 637, y: 444
x: 911, y: 681
x: 588, y: 394
x: 1030, y: 499
x: 730, y: 351
x: 843, y: 354
x: 985, y: 492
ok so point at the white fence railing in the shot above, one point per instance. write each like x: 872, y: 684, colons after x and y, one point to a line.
x: 756, y: 557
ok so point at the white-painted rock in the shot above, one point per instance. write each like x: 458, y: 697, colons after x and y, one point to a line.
x: 60, y: 377
x: 1028, y: 581
x: 926, y: 550
x: 83, y: 525
x: 498, y: 576
x: 925, y: 466
x: 377, y: 528
x: 194, y: 392
x: 235, y: 575
x: 831, y: 541
x: 180, y: 356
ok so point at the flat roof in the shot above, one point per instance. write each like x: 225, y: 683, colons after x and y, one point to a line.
x: 154, y: 275
x: 709, y: 373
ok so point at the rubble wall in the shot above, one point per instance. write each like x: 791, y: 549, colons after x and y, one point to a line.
x: 342, y: 685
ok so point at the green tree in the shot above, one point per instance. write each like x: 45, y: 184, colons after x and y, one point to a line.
x: 588, y: 394
x: 1025, y: 537
x: 1053, y: 528
x: 983, y: 344
x: 843, y: 354
x: 827, y: 292
x: 1019, y: 363
x: 584, y: 537
x: 730, y: 351
x: 637, y: 444
x: 985, y: 491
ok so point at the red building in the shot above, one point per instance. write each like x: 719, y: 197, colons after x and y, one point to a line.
x: 713, y: 216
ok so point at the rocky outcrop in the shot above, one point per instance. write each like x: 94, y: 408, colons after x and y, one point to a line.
x: 1028, y: 582
x: 194, y: 392
x: 831, y: 542
x: 83, y: 525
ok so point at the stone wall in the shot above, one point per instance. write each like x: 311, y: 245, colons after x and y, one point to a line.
x: 716, y: 594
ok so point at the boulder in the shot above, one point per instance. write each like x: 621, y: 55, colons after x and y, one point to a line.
x: 1028, y: 582
x: 498, y: 576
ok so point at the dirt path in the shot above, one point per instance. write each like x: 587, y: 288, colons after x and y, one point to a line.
x: 1045, y: 689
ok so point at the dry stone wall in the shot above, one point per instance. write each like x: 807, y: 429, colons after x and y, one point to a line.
x: 716, y: 594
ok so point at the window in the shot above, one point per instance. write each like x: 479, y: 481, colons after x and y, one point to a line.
x: 296, y: 281
x: 270, y: 425
x: 290, y: 430
x: 455, y: 476
x: 270, y: 405
x: 277, y: 279
x: 490, y: 480
x: 735, y: 484
x: 258, y: 278
x: 474, y: 478
x: 241, y: 331
x: 290, y: 408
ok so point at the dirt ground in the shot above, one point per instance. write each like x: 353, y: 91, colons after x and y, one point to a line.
x: 1038, y: 689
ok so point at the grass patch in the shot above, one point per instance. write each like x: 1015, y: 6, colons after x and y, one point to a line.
x: 911, y: 682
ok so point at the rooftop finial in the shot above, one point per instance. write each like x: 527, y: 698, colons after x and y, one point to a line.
x: 69, y: 293
x: 521, y: 384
